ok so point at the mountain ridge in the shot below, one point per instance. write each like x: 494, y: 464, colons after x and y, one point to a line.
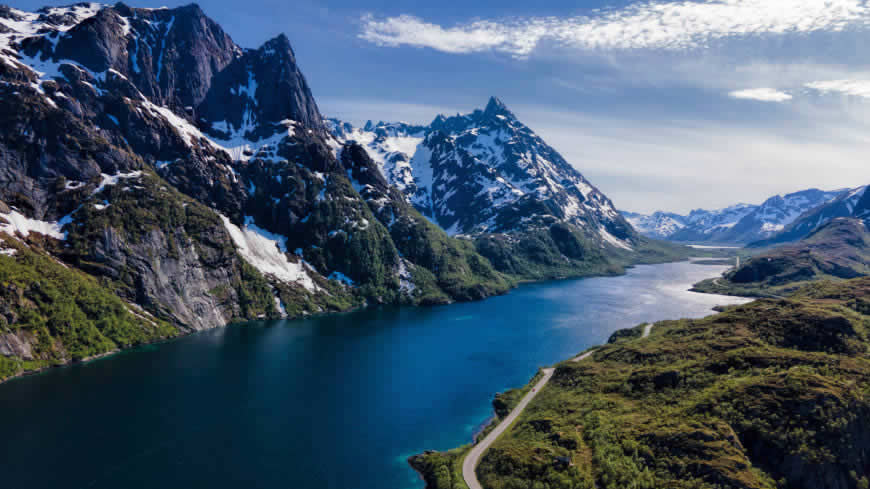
x: 851, y: 202
x: 510, y: 178
x: 735, y: 224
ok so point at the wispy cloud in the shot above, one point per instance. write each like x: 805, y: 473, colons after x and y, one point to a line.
x: 761, y: 94
x: 859, y: 88
x: 674, y: 25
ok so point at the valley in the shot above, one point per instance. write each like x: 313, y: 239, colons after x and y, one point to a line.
x: 208, y: 280
x: 379, y: 385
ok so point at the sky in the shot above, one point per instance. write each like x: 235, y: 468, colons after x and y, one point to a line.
x: 663, y: 105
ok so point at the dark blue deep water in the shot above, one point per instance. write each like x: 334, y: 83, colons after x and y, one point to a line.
x: 330, y: 402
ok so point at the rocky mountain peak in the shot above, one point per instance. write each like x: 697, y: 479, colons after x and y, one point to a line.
x: 279, y: 45
x: 282, y: 91
x: 487, y: 172
x: 495, y: 107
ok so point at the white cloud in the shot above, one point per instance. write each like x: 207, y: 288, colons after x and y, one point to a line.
x: 761, y: 94
x: 680, y: 165
x: 671, y: 25
x: 358, y: 111
x: 859, y: 88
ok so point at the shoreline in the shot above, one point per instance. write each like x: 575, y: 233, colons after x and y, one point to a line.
x: 413, y: 460
x: 183, y: 334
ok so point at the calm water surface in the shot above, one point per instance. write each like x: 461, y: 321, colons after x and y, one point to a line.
x: 330, y: 402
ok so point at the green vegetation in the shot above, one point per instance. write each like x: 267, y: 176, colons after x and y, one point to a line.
x: 444, y: 269
x: 150, y: 228
x: 839, y: 250
x: 62, y: 314
x: 771, y: 394
x: 441, y: 470
x: 563, y: 251
x: 559, y: 251
x: 458, y: 270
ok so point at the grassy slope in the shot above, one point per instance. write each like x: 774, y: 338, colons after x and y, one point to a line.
x: 765, y: 395
x: 71, y: 315
x: 563, y: 251
x: 446, y: 268
x: 837, y: 251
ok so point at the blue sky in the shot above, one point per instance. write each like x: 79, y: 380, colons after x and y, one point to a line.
x: 661, y: 104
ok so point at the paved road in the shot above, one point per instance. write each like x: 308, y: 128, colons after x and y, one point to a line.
x: 581, y: 357
x: 473, y: 457
x: 646, y: 330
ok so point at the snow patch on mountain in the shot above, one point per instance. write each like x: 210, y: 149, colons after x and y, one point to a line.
x: 16, y: 222
x: 109, y: 180
x: 656, y: 225
x: 484, y: 172
x: 609, y: 238
x: 740, y: 223
x: 267, y: 252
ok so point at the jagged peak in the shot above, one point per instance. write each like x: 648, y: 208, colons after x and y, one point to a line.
x: 193, y: 8
x: 439, y: 119
x: 277, y: 48
x: 279, y: 43
x: 495, y: 104
x: 496, y: 107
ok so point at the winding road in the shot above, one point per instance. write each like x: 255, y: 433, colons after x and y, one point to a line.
x: 646, y: 329
x: 473, y: 458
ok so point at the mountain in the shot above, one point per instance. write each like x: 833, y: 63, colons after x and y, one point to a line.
x: 487, y: 172
x: 185, y: 182
x: 850, y: 203
x: 157, y: 179
x: 737, y: 224
x: 659, y: 225
x: 837, y: 250
x: 697, y: 403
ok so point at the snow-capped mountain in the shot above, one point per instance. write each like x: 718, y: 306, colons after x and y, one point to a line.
x: 169, y: 158
x: 486, y: 172
x: 740, y: 223
x: 853, y: 202
x: 659, y: 225
x: 196, y: 182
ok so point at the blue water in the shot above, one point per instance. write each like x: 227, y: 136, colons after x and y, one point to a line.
x: 330, y: 402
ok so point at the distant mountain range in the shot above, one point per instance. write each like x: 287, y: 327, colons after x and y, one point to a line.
x: 838, y: 249
x: 849, y: 203
x: 779, y: 219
